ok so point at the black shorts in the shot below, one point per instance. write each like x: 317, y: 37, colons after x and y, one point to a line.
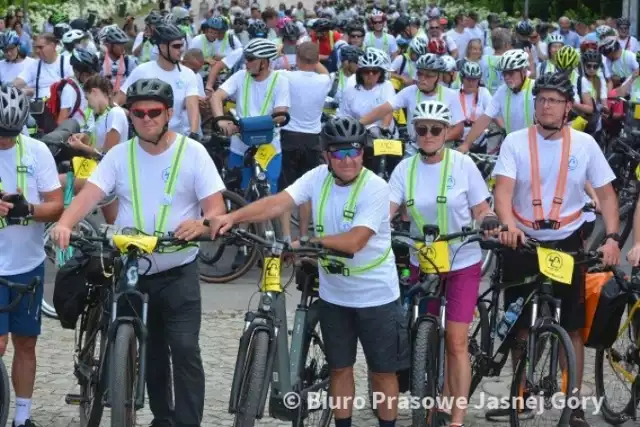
x: 300, y: 153
x: 382, y: 331
x: 518, y: 266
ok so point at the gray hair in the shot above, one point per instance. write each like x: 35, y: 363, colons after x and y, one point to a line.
x: 500, y: 38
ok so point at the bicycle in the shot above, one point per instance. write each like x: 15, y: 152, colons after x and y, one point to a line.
x: 5, y: 382
x: 381, y: 155
x: 117, y: 379
x: 544, y: 334
x: 264, y: 357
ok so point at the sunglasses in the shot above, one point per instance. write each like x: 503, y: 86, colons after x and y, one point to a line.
x: 250, y: 58
x: 141, y: 113
x: 427, y: 74
x: 591, y: 66
x: 352, y: 153
x: 356, y: 36
x: 435, y: 130
x: 370, y: 70
x: 177, y: 46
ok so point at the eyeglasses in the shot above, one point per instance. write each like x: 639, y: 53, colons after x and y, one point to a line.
x: 551, y: 101
x: 356, y: 36
x: 592, y: 66
x: 342, y: 154
x: 427, y: 74
x: 177, y: 46
x: 434, y: 28
x: 370, y: 70
x: 435, y: 130
x: 141, y: 113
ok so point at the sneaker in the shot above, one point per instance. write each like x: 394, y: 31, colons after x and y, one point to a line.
x: 27, y: 423
x: 578, y: 419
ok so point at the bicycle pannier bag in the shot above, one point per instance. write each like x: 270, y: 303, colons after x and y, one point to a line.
x: 605, y: 302
x: 71, y: 290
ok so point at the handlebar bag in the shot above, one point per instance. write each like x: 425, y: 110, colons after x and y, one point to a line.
x: 256, y: 130
x: 604, y: 306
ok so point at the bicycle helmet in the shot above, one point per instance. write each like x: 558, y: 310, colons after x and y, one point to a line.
x: 80, y: 24
x: 60, y: 29
x: 419, y: 46
x: 449, y: 64
x: 72, y: 37
x: 14, y: 110
x: 150, y: 90
x: 341, y: 131
x: 432, y: 110
x: 623, y: 22
x: 84, y: 61
x: 524, y: 28
x: 59, y: 18
x: 261, y: 49
x: 555, y: 38
x: 169, y: 19
x: 217, y: 23
x: 592, y: 57
x: 430, y: 62
x: 437, y: 46
x: 164, y: 34
x: 608, y: 45
x: 588, y: 45
x: 9, y: 39
x: 354, y: 26
x: 470, y: 70
x: 153, y: 18
x: 322, y: 25
x: 114, y: 35
x: 350, y: 53
x: 377, y: 14
x: 374, y: 58
x: 290, y: 31
x: 514, y: 59
x: 603, y: 31
x: 257, y: 30
x: 401, y: 24
x: 567, y: 58
x: 403, y: 43
x: 560, y: 82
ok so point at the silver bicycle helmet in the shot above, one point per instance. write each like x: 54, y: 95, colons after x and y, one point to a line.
x: 555, y: 38
x: 449, y: 64
x: 14, y: 111
x: 608, y: 45
x: 471, y: 70
x: 261, y: 49
x: 430, y: 62
x: 419, y: 45
x: 114, y: 35
x: 514, y: 59
x: 432, y: 110
x: 72, y: 37
x: 374, y: 58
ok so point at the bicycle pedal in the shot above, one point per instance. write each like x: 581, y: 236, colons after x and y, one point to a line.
x: 75, y: 399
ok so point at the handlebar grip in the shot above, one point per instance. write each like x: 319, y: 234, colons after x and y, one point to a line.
x: 218, y: 119
x: 284, y: 114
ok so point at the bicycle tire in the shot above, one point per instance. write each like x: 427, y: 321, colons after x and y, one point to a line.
x: 423, y: 363
x: 5, y: 394
x: 252, y: 257
x: 253, y: 381
x: 563, y: 341
x: 91, y: 414
x: 123, y: 371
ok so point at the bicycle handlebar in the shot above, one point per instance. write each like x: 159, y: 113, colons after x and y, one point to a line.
x: 236, y: 122
x: 21, y: 289
x: 107, y: 239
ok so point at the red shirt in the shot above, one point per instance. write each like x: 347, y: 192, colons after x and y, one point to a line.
x: 325, y: 45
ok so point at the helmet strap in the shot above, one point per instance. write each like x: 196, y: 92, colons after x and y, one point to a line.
x: 426, y: 155
x: 165, y: 129
x: 524, y: 78
x: 339, y: 180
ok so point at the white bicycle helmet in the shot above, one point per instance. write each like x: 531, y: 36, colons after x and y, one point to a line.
x: 449, y: 64
x: 432, y: 110
x: 14, y: 111
x: 555, y: 38
x: 72, y: 36
x: 430, y: 62
x: 514, y: 59
x: 261, y: 49
x: 603, y: 31
x: 374, y: 58
x: 471, y: 70
x: 419, y: 45
x: 608, y: 45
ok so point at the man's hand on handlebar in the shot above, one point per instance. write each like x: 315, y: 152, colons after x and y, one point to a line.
x: 61, y: 236
x: 190, y: 229
x: 512, y: 237
x: 610, y: 252
x: 220, y: 225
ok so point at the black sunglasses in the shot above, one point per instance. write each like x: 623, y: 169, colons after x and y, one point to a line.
x: 435, y: 130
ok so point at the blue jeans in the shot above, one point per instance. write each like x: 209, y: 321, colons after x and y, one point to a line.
x: 273, y: 170
x: 24, y: 321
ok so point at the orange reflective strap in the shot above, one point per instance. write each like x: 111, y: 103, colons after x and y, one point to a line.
x: 121, y: 70
x: 464, y: 106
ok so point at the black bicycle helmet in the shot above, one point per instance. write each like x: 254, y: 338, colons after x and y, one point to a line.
x: 350, y: 53
x: 524, y: 28
x: 163, y: 34
x: 339, y: 131
x: 60, y: 29
x: 84, y: 61
x: 115, y: 35
x: 258, y: 30
x: 322, y: 25
x: 218, y: 23
x: 150, y: 90
x: 623, y: 22
x: 153, y: 18
x: 291, y: 31
x: 353, y: 27
x: 591, y: 57
x: 79, y: 24
x: 560, y: 82
x: 14, y: 111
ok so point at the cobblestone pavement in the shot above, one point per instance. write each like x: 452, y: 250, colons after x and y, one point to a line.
x: 219, y: 340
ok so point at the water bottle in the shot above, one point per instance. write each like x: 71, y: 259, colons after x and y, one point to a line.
x: 405, y: 274
x: 510, y: 317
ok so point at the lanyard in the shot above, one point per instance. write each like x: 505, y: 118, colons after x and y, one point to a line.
x: 267, y: 99
x: 526, y: 92
x: 169, y: 189
x: 107, y: 70
x: 146, y: 52
x: 341, y: 80
x: 493, y: 74
x: 441, y: 199
x: 21, y: 172
x: 439, y: 94
x: 94, y: 133
x: 474, y: 104
x: 385, y: 41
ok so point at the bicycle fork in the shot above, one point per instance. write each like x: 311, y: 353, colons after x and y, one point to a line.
x: 532, y: 349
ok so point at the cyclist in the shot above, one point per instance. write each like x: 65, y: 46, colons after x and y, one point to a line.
x: 364, y: 304
x: 143, y: 48
x: 345, y: 78
x: 326, y: 38
x: 408, y: 28
x: 116, y: 65
x: 290, y: 36
x: 491, y: 75
x: 466, y: 197
x: 15, y: 60
x: 30, y: 196
x: 532, y: 202
x: 60, y: 30
x: 377, y: 37
x: 355, y: 34
x: 216, y: 43
x: 627, y: 41
x: 427, y: 88
x: 449, y: 74
x: 513, y: 101
x: 555, y: 42
x: 435, y: 32
x: 71, y: 40
x: 474, y: 99
x: 621, y: 63
x: 171, y: 279
x: 185, y: 117
x: 258, y: 91
x: 73, y: 103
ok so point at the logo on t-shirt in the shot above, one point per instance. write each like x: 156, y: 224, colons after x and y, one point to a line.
x: 179, y: 84
x: 573, y: 163
x: 28, y: 162
x: 451, y: 182
x: 165, y: 174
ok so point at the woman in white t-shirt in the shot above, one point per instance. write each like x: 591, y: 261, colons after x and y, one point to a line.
x: 417, y: 183
x: 474, y: 99
x: 15, y: 59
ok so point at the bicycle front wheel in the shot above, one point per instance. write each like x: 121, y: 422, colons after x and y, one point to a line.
x: 5, y: 394
x: 91, y: 386
x: 424, y: 369
x: 124, y: 376
x: 551, y: 393
x: 253, y: 380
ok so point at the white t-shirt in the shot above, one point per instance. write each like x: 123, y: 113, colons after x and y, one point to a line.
x: 49, y: 74
x: 10, y: 70
x: 451, y: 44
x: 216, y: 47
x: 409, y: 97
x: 386, y: 43
x: 465, y: 189
x: 182, y: 82
x: 197, y: 179
x: 373, y: 287
x: 22, y: 247
x: 153, y: 51
x: 234, y: 87
x: 624, y: 66
x: 68, y: 99
x: 284, y: 62
x: 307, y: 91
x: 357, y: 101
x: 632, y: 44
x: 409, y: 66
x: 491, y: 76
x: 347, y: 83
x: 460, y: 39
x: 586, y: 164
x: 473, y: 108
x: 512, y: 112
x: 114, y: 118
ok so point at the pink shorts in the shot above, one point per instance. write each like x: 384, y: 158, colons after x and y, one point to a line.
x: 462, y: 292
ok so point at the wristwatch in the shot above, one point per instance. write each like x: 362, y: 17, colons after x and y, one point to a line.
x: 613, y: 236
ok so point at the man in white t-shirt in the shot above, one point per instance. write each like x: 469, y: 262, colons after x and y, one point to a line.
x: 434, y: 30
x: 216, y: 43
x: 459, y: 34
x: 378, y: 38
x: 139, y: 172
x: 620, y: 63
x: 350, y: 207
x: 30, y: 196
x: 186, y: 112
x: 143, y: 48
x: 530, y: 203
x: 627, y: 41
